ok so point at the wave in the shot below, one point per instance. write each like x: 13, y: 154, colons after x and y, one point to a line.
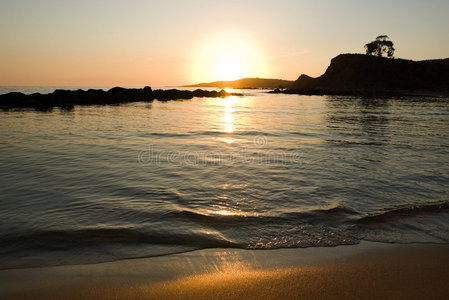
x: 73, y: 239
x: 207, y: 233
x: 330, y: 214
x: 187, y: 230
x: 403, y: 212
x: 333, y: 211
x: 209, y: 133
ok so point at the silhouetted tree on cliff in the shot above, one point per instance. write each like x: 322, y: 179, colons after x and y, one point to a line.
x: 380, y: 46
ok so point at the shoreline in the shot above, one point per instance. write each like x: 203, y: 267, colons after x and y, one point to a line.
x: 367, y: 270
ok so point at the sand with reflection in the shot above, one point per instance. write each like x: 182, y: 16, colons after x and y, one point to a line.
x: 367, y: 271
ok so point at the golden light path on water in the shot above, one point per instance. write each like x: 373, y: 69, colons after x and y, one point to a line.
x: 228, y: 126
x: 228, y: 119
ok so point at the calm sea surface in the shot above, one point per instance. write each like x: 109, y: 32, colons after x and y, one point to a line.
x: 101, y: 183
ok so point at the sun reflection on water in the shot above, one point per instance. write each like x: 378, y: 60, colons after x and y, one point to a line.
x: 227, y: 140
x: 220, y: 211
x: 225, y: 213
x: 228, y: 120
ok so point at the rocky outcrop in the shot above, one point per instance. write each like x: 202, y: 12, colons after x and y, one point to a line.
x: 116, y: 95
x: 174, y: 94
x: 364, y: 74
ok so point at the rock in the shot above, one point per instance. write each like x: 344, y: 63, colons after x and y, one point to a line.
x: 116, y: 95
x: 364, y: 74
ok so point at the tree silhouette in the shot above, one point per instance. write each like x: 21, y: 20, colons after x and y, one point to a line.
x: 380, y: 46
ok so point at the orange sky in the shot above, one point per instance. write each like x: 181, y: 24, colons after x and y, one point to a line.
x: 137, y: 43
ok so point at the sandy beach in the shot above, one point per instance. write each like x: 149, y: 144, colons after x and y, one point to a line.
x: 365, y: 271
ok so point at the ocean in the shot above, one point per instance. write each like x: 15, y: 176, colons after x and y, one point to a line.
x: 261, y: 171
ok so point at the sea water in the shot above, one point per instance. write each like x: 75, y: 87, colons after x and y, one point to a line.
x: 261, y: 171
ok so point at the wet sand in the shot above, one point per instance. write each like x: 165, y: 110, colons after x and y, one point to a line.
x: 365, y: 271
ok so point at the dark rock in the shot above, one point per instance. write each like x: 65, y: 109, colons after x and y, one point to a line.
x: 356, y: 74
x: 67, y: 99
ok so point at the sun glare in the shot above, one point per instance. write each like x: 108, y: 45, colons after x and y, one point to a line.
x: 229, y: 68
x: 227, y: 57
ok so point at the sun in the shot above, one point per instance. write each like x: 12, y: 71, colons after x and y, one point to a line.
x: 229, y: 68
x: 227, y: 57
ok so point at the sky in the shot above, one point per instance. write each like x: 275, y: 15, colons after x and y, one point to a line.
x: 169, y: 43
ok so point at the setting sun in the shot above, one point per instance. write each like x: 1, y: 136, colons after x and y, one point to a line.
x: 230, y: 68
x: 227, y: 57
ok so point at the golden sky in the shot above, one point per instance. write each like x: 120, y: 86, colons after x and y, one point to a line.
x: 162, y: 43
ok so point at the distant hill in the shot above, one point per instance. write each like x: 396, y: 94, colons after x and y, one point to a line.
x: 359, y: 74
x: 248, y: 83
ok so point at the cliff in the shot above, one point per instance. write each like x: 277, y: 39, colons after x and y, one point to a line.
x: 359, y: 74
